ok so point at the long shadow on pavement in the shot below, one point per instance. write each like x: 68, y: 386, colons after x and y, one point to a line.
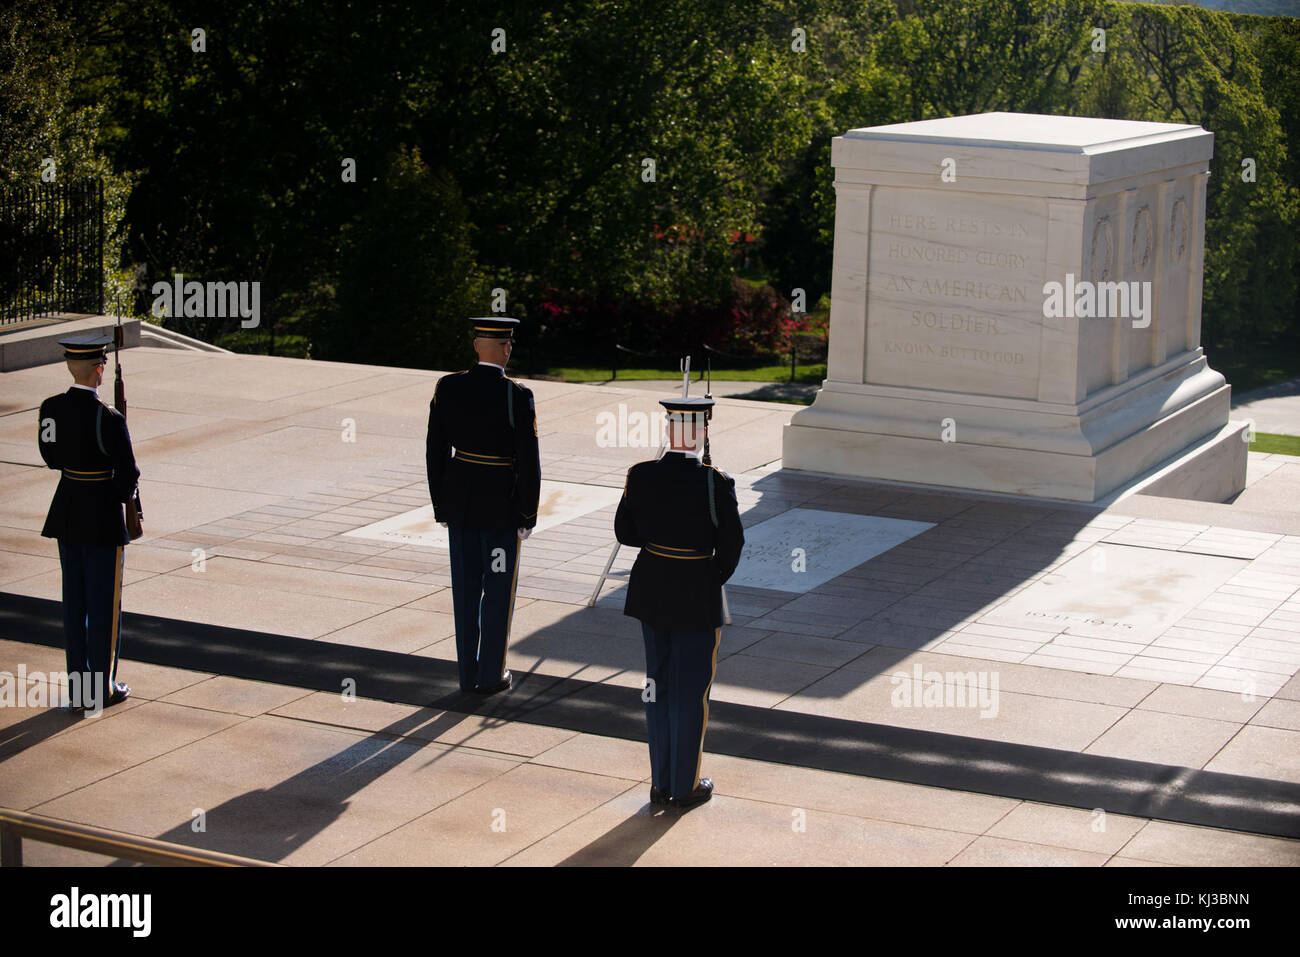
x: 625, y: 844
x: 1048, y: 775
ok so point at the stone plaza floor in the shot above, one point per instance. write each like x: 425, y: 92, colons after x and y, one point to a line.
x: 950, y: 678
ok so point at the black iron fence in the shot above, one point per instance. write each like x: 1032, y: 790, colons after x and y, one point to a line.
x: 51, y: 249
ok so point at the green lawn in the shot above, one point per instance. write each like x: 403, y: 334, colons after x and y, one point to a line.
x: 1269, y: 442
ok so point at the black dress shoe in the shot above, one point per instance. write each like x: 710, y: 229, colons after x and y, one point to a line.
x: 702, y: 792
x: 659, y: 797
x: 503, y: 685
x: 120, y: 693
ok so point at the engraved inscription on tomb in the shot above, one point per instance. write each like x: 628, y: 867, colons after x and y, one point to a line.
x: 954, y: 297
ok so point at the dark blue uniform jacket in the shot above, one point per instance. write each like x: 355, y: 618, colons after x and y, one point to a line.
x: 495, y: 481
x: 665, y: 510
x: 88, y: 440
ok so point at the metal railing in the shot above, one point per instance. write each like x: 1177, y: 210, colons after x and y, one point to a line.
x: 51, y: 250
x: 621, y: 350
x: 17, y: 825
x: 736, y: 365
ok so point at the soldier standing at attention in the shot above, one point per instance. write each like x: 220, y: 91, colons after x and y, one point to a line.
x: 484, y: 480
x: 88, y: 442
x: 683, y: 516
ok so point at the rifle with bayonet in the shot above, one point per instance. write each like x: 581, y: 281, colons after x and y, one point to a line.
x: 134, y: 513
x: 685, y: 366
x: 707, y: 460
x: 708, y: 417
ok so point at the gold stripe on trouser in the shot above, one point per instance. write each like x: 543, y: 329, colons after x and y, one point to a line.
x: 510, y: 612
x: 713, y: 671
x: 117, y: 615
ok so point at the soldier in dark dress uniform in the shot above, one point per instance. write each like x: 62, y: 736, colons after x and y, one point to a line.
x: 88, y: 442
x: 484, y: 481
x: 683, y: 516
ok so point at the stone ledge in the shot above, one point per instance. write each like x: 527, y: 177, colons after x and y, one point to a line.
x: 39, y: 345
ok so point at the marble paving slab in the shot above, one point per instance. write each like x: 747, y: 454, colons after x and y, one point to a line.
x: 560, y: 502
x: 832, y: 543
x: 1117, y: 592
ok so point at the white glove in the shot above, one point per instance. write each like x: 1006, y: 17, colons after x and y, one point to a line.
x: 524, y: 533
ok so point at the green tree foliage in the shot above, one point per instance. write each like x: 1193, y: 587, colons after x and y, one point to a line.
x: 239, y: 147
x: 408, y: 278
x: 1185, y: 65
x: 1276, y: 44
x: 994, y: 55
x: 523, y: 168
x: 549, y: 140
x: 40, y: 119
x: 847, y: 88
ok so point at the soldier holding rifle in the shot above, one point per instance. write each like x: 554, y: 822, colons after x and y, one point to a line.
x: 682, y: 513
x: 89, y: 443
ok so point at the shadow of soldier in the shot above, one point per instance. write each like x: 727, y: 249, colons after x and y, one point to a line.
x: 30, y: 731
x: 873, y: 614
x: 626, y: 843
x: 271, y: 824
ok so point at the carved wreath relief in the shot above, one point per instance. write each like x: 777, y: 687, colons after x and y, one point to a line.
x: 1103, y: 250
x: 1179, y: 229
x: 1142, y: 238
